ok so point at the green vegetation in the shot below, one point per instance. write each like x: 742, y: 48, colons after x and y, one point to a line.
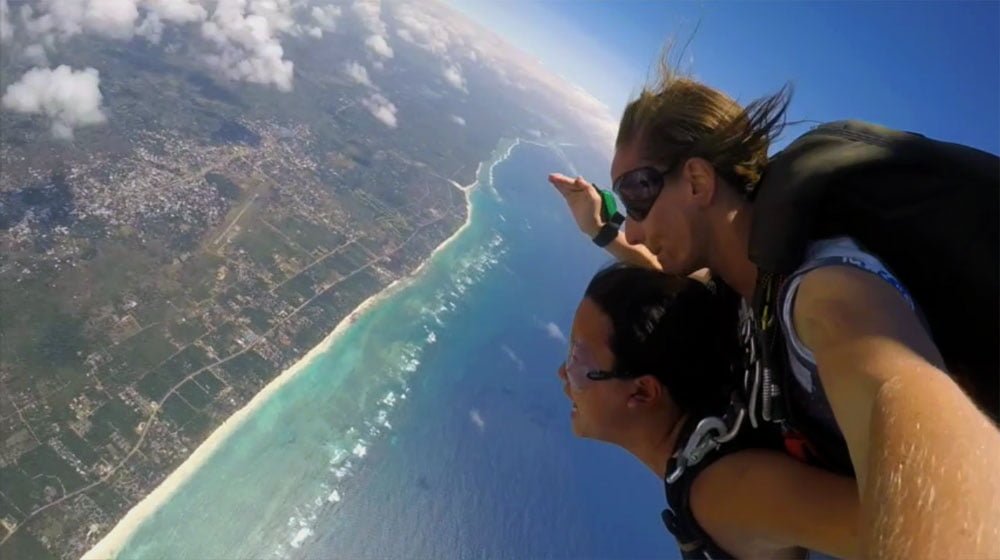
x: 176, y: 411
x: 144, y: 350
x: 23, y: 545
x: 113, y: 415
x: 50, y: 469
x: 78, y: 447
x: 209, y: 382
x: 195, y: 395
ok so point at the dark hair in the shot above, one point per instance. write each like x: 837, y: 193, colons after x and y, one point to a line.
x: 675, y: 328
x: 676, y: 118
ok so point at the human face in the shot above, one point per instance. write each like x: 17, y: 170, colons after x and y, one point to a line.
x: 600, y: 406
x: 670, y: 226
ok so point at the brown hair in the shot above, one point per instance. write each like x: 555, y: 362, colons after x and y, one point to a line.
x: 677, y: 117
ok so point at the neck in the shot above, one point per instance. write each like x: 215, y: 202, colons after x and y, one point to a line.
x: 654, y: 446
x: 729, y: 234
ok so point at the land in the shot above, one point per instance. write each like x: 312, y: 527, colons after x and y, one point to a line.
x: 158, y: 271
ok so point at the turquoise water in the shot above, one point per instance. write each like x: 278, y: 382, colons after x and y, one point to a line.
x: 435, y: 427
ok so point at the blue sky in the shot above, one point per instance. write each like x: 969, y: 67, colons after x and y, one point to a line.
x: 930, y: 67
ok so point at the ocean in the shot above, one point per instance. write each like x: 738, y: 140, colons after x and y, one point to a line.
x: 434, y: 426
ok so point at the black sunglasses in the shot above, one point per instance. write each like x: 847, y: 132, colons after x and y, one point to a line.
x: 638, y: 190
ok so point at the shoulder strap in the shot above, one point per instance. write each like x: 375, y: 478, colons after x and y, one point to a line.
x: 700, y: 444
x: 768, y: 390
x: 693, y: 542
x: 765, y: 377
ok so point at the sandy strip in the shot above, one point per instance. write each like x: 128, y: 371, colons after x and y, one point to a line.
x: 112, y: 543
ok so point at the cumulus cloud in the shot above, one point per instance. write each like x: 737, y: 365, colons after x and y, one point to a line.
x: 112, y: 18
x: 453, y: 75
x: 555, y: 332
x: 422, y: 29
x: 243, y: 34
x: 457, y: 120
x: 151, y: 28
x: 378, y: 45
x: 247, y: 48
x: 369, y: 13
x: 326, y: 16
x: 6, y: 29
x: 358, y: 73
x: 381, y: 108
x: 177, y: 11
x: 69, y: 98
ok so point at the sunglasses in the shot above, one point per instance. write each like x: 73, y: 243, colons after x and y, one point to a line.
x: 582, y: 369
x: 638, y: 190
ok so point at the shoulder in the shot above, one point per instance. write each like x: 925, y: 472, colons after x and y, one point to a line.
x: 841, y: 302
x: 763, y: 503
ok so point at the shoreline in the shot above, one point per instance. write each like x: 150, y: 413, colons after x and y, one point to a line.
x: 112, y: 543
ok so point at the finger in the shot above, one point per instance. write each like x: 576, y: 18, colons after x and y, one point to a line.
x: 567, y: 184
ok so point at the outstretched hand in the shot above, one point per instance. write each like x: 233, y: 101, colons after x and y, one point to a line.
x: 583, y: 201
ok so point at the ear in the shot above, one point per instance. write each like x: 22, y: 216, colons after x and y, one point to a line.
x: 700, y: 177
x: 646, y: 390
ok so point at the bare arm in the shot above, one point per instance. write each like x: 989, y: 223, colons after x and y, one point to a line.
x: 926, y: 458
x: 760, y: 503
x: 585, y: 205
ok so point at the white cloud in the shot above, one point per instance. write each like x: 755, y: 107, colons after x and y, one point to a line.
x: 326, y: 16
x: 423, y: 29
x: 453, y: 75
x: 243, y: 33
x: 315, y: 32
x: 457, y: 120
x: 247, y: 47
x: 69, y: 98
x: 555, y: 332
x: 514, y: 357
x: 358, y: 73
x: 112, y: 18
x: 369, y: 13
x: 151, y: 28
x: 6, y: 29
x: 381, y: 108
x: 177, y: 11
x: 378, y: 45
x: 477, y: 419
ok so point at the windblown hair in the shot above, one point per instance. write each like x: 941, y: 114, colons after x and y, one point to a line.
x: 676, y: 118
x: 677, y: 329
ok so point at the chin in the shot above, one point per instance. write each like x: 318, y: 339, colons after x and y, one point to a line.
x: 672, y: 266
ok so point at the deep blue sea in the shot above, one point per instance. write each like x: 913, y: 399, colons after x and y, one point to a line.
x: 435, y: 427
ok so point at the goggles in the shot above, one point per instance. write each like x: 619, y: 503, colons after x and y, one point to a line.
x: 582, y: 369
x: 638, y: 190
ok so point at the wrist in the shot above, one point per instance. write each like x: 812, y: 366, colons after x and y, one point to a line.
x: 607, y: 234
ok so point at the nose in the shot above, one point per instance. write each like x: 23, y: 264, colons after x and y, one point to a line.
x: 562, y: 372
x: 633, y: 232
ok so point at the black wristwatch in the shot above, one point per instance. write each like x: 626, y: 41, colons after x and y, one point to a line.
x: 607, y: 234
x: 612, y: 218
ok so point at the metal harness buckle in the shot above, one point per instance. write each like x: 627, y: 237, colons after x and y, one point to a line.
x: 707, y: 436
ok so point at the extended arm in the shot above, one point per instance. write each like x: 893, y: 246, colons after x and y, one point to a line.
x: 585, y: 205
x: 926, y: 458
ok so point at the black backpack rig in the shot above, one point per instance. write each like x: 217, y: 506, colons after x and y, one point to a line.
x: 929, y: 211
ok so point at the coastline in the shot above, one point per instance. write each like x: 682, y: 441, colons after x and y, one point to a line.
x: 115, y: 540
